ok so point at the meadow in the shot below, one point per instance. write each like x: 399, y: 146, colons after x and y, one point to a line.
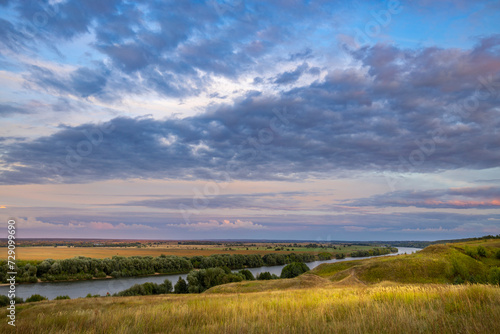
x: 373, y: 309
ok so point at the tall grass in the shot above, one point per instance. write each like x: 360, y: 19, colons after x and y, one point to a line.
x: 374, y: 309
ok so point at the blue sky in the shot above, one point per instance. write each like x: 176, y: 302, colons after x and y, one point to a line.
x: 318, y: 120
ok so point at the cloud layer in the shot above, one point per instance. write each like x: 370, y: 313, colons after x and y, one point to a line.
x: 400, y: 110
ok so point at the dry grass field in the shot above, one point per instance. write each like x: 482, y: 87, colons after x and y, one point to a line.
x: 372, y: 309
x: 64, y: 252
x: 42, y: 253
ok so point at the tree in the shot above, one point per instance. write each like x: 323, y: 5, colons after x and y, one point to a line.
x: 248, y: 274
x: 266, y: 275
x: 167, y: 286
x: 181, y: 286
x: 294, y: 269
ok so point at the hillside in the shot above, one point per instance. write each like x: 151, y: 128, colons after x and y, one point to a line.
x: 374, y: 309
x: 473, y: 262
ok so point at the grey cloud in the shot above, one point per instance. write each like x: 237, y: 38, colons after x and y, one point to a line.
x: 349, y: 121
x: 291, y: 76
x: 8, y: 109
x: 454, y: 198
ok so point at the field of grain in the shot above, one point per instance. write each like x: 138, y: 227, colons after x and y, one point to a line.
x: 373, y: 309
x: 64, y: 252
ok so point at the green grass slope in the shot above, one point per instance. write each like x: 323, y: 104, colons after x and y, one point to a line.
x: 301, y: 282
x: 450, y: 263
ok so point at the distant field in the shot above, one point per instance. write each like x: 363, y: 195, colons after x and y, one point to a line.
x: 63, y: 252
x: 374, y: 309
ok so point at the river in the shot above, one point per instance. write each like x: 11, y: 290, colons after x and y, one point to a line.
x: 76, y: 289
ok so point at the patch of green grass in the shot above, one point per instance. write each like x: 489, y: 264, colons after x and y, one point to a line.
x: 451, y: 263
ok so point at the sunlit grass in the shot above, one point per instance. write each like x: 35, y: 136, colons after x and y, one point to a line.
x: 388, y: 309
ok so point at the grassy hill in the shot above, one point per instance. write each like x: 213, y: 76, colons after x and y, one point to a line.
x: 448, y: 263
x: 373, y: 309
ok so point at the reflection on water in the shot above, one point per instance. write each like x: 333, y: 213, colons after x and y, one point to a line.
x: 101, y: 287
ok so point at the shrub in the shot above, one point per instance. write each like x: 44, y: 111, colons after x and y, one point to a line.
x: 36, y: 298
x: 248, y: 274
x: 266, y: 275
x: 294, y: 269
x: 498, y: 254
x: 4, y: 300
x: 147, y: 288
x: 181, y: 286
x: 340, y: 256
x: 481, y: 251
x: 471, y: 252
x: 324, y: 256
x: 100, y: 274
x: 167, y: 286
x: 116, y: 274
x: 62, y: 297
x: 494, y: 275
x: 89, y: 295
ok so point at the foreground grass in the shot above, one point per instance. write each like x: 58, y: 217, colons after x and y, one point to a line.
x: 373, y: 309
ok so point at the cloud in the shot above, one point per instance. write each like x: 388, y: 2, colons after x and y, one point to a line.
x: 291, y: 76
x: 454, y: 198
x: 223, y: 225
x: 287, y: 201
x: 8, y: 110
x: 120, y: 226
x: 33, y: 223
x: 387, y: 108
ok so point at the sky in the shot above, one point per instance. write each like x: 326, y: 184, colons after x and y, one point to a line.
x: 231, y: 119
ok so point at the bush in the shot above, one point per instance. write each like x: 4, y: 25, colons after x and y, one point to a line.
x: 36, y: 298
x: 494, y: 275
x: 168, y: 286
x: 181, y: 286
x: 248, y: 274
x: 116, y: 274
x: 100, y: 274
x: 294, y: 269
x: 89, y: 295
x: 340, y: 256
x: 324, y: 256
x: 204, y: 279
x: 498, y: 254
x: 62, y: 297
x: 481, y: 251
x: 266, y: 275
x: 471, y: 252
x: 147, y: 288
x: 4, y: 300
